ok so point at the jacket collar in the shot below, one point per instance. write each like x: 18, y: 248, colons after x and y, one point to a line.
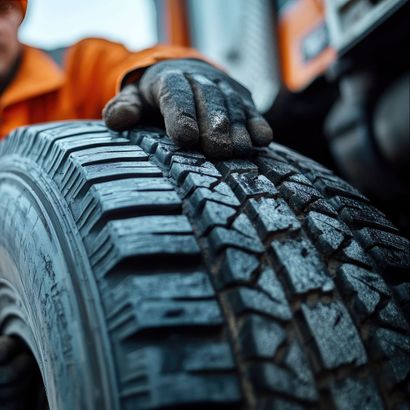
x: 37, y: 75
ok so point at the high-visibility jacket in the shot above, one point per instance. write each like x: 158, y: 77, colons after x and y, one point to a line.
x: 92, y: 73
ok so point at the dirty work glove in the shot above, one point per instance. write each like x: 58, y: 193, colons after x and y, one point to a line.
x: 202, y: 108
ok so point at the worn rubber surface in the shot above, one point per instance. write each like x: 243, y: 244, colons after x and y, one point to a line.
x: 248, y: 284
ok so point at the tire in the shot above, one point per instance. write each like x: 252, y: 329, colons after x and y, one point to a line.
x: 141, y: 276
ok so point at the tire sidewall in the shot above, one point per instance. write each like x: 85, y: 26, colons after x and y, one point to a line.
x: 38, y: 301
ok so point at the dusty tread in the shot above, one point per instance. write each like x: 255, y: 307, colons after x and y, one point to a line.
x: 142, y: 223
x: 300, y: 203
x: 274, y: 283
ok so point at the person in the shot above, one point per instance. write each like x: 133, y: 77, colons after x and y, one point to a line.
x: 200, y: 105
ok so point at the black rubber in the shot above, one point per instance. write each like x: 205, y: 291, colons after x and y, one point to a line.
x: 144, y: 277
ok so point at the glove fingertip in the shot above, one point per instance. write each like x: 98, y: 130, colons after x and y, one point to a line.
x: 242, y: 145
x: 183, y: 130
x: 260, y: 131
x: 218, y: 146
x: 121, y: 116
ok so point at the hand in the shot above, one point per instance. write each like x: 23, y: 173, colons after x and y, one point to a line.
x: 202, y: 108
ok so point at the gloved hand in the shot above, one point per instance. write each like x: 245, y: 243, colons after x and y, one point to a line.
x: 202, y: 108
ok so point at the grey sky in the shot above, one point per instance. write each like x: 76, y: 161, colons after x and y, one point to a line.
x: 55, y: 23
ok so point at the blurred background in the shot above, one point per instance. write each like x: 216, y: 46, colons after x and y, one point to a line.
x: 52, y: 24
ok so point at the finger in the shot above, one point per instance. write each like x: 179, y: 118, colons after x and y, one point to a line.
x: 242, y: 144
x: 213, y: 118
x: 123, y: 112
x: 259, y: 129
x: 173, y: 95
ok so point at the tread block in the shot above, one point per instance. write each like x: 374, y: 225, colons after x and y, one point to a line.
x: 194, y: 181
x: 391, y: 316
x: 323, y: 207
x: 301, y: 266
x: 309, y: 165
x: 93, y: 156
x: 391, y: 261
x: 144, y: 245
x: 333, y: 185
x: 220, y: 193
x: 63, y: 147
x: 242, y: 235
x: 194, y: 285
x: 179, y: 170
x: 360, y: 214
x: 368, y: 288
x: 237, y: 165
x: 197, y: 161
x: 137, y: 193
x: 193, y: 357
x: 352, y: 252
x: 93, y: 174
x: 299, y: 179
x: 164, y: 382
x: 54, y: 132
x: 248, y: 300
x: 272, y: 216
x: 144, y: 196
x: 147, y: 312
x: 277, y: 171
x: 260, y: 337
x: 395, y: 350
x: 148, y: 142
x: 299, y: 195
x: 167, y: 151
x: 356, y: 393
x: 328, y: 233
x: 248, y: 185
x: 111, y: 189
x: 371, y: 296
x: 191, y: 390
x: 141, y: 237
x: 214, y: 214
x: 373, y: 237
x: 292, y: 378
x: 164, y: 152
x: 390, y: 251
x: 334, y: 335
x: 303, y: 162
x: 269, y: 283
x: 181, y: 154
x: 155, y: 224
x: 147, y: 301
x: 237, y: 266
x: 209, y: 356
x: 270, y: 153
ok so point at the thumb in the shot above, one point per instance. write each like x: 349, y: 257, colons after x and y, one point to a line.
x: 124, y: 110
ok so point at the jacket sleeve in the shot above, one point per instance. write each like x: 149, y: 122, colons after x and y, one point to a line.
x: 96, y: 69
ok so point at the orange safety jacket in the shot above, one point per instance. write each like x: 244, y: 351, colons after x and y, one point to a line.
x: 93, y: 71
